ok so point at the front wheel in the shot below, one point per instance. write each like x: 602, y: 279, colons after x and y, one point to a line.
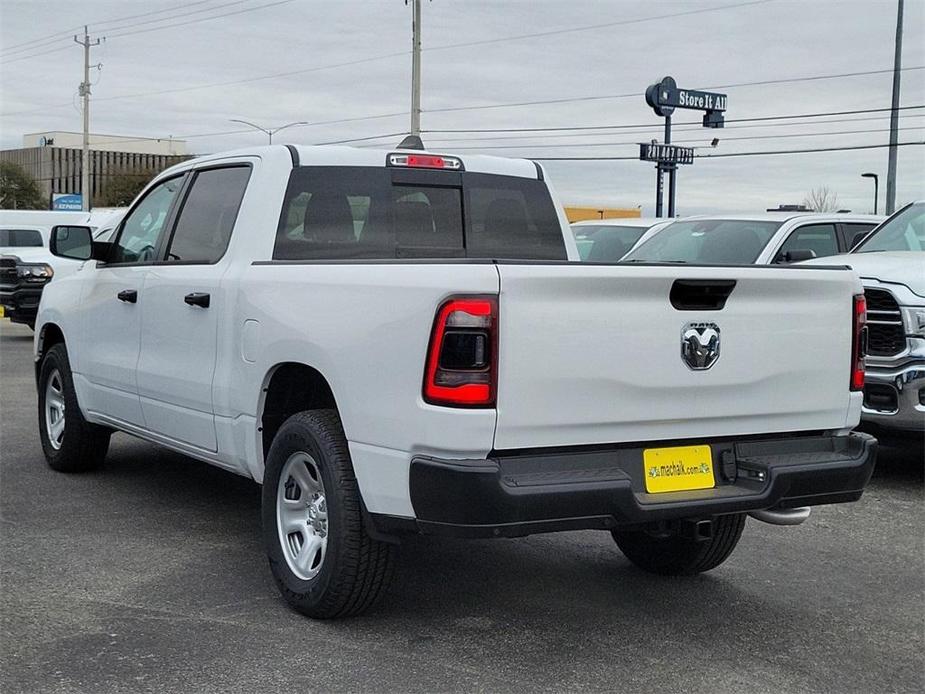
x: 70, y: 442
x: 323, y: 560
x: 674, y: 555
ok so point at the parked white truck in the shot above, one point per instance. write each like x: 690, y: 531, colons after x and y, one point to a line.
x: 891, y: 264
x: 402, y: 342
x: 27, y: 265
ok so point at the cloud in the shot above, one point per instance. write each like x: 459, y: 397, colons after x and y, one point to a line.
x: 772, y: 40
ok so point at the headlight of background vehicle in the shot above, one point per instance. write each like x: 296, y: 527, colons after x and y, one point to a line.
x: 914, y: 320
x: 34, y: 272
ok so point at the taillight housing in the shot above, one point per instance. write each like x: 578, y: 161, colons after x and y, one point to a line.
x: 858, y: 342
x: 425, y: 161
x: 462, y: 358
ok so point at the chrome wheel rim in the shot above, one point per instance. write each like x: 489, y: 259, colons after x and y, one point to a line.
x: 54, y: 409
x: 302, y: 515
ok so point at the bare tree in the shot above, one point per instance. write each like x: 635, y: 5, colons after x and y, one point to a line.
x: 821, y: 199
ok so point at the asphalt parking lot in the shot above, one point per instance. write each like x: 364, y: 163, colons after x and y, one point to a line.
x: 149, y: 576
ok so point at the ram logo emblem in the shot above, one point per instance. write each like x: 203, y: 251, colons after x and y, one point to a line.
x: 700, y: 345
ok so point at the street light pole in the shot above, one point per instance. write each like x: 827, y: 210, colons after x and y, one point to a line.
x: 270, y: 132
x: 876, y: 187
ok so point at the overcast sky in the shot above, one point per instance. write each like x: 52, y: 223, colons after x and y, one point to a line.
x: 736, y: 42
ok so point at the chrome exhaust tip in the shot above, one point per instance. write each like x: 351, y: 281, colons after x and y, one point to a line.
x: 782, y: 516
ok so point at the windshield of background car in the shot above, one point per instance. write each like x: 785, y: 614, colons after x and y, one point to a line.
x: 345, y: 212
x: 707, y: 242
x: 605, y: 243
x: 904, y: 232
x: 20, y: 238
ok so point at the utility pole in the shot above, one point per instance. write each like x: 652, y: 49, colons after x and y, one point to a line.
x: 416, y: 67
x: 894, y: 115
x: 85, y: 93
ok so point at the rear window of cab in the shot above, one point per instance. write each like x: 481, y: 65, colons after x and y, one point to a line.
x: 20, y: 238
x: 350, y: 212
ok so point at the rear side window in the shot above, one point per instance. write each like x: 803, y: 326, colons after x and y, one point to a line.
x: 818, y: 238
x: 361, y: 212
x: 855, y: 233
x: 207, y: 217
x: 512, y: 218
x: 20, y: 238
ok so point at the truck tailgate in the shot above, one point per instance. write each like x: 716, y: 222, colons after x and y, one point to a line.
x: 593, y: 354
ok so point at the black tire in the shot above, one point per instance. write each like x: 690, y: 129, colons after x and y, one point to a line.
x: 681, y: 556
x: 355, y: 569
x: 83, y: 446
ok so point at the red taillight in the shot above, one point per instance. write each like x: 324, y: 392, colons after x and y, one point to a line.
x: 858, y: 342
x: 425, y: 161
x: 463, y: 354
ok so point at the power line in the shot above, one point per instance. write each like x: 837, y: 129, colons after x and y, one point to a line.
x: 34, y: 55
x: 360, y: 139
x: 252, y: 79
x: 699, y: 139
x: 623, y: 22
x: 157, y: 20
x: 817, y: 114
x: 97, y: 25
x: 201, y: 19
x: 380, y: 57
x: 643, y: 130
x: 222, y: 133
x: 629, y: 95
x: 738, y: 154
x: 228, y: 83
x: 44, y: 39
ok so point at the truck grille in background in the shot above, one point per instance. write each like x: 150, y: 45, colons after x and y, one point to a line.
x: 8, y: 273
x: 885, y: 334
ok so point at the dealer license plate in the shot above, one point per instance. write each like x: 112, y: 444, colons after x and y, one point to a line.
x: 678, y: 469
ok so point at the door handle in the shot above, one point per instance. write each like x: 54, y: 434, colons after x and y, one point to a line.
x: 128, y: 295
x: 197, y: 299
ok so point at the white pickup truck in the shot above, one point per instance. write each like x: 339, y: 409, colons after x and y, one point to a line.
x: 402, y: 342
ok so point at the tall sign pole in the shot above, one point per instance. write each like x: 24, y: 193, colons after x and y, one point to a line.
x: 672, y: 169
x: 664, y: 97
x: 84, y: 92
x: 416, y: 67
x: 894, y: 115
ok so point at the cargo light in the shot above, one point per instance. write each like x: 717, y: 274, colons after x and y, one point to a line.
x: 425, y: 161
x: 463, y: 354
x: 858, y: 342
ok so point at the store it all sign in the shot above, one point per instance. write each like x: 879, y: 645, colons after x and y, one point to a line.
x: 665, y: 96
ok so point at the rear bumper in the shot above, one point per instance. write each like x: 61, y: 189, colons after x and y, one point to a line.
x: 513, y: 495
x: 893, y: 398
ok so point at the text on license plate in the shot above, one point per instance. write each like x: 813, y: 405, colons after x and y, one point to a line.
x: 678, y: 469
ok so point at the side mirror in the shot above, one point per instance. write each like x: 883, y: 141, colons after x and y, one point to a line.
x: 71, y: 242
x: 795, y: 256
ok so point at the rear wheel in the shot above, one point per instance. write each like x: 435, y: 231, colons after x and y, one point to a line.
x: 324, y: 562
x: 70, y: 442
x: 675, y: 555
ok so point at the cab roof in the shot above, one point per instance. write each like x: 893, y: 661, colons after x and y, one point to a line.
x: 340, y: 155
